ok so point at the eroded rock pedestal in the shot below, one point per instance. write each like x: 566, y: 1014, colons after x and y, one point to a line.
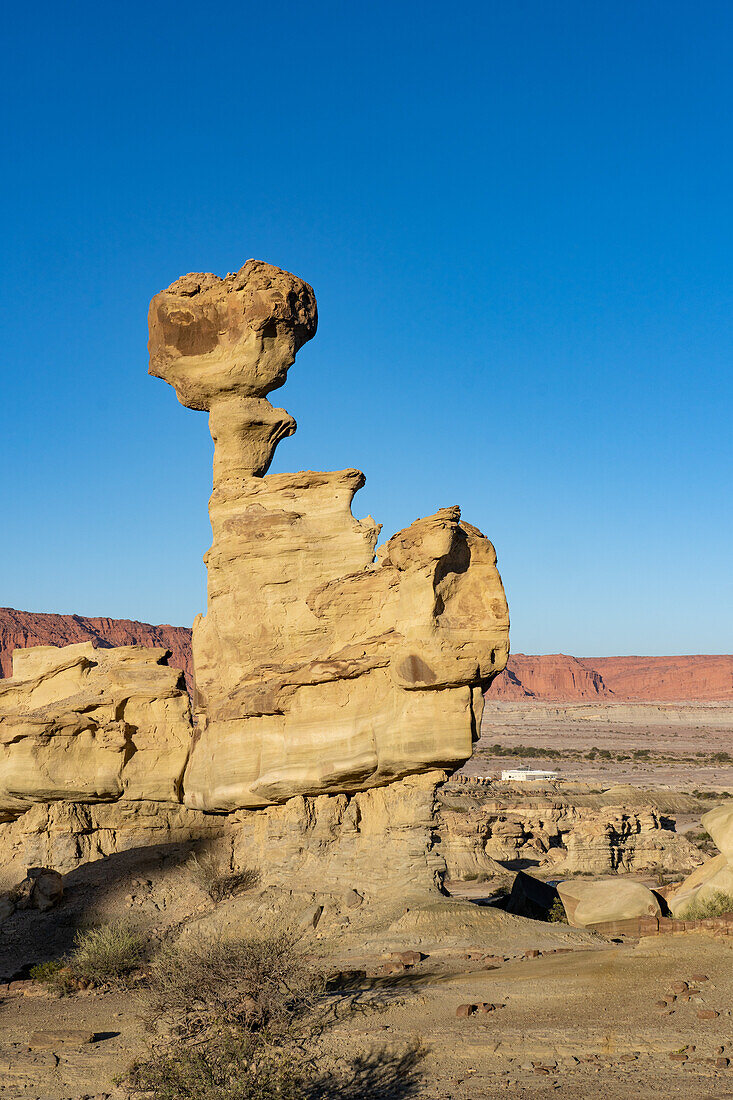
x: 334, y: 683
x: 319, y: 667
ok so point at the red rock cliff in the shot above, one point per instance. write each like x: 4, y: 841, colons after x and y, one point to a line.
x: 557, y: 678
x: 19, y: 629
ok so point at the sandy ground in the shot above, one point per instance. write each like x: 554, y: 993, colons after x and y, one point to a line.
x: 578, y: 1024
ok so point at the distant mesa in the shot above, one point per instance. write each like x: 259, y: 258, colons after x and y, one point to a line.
x: 550, y: 678
x: 559, y: 678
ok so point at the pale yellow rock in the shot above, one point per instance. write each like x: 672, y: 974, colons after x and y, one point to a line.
x: 84, y: 724
x: 718, y: 823
x: 320, y: 666
x: 595, y: 902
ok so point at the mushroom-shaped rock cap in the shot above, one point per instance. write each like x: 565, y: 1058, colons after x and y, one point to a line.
x: 212, y: 337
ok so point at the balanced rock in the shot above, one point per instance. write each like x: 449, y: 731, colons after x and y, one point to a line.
x: 322, y: 664
x: 613, y: 899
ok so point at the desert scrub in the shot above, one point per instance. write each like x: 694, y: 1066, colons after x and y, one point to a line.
x: 247, y: 984
x: 238, y: 1066
x: 712, y: 905
x: 212, y: 874
x: 106, y: 954
x: 556, y: 913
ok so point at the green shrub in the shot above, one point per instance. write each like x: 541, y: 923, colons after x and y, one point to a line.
x: 47, y: 971
x: 213, y: 875
x: 711, y: 905
x: 106, y: 954
x: 556, y: 913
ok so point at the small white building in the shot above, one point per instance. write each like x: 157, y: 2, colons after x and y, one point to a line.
x: 521, y: 775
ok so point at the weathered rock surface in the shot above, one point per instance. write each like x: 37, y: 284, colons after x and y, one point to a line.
x: 514, y: 825
x: 589, y: 903
x: 91, y: 725
x: 716, y: 874
x: 320, y: 666
x: 21, y: 629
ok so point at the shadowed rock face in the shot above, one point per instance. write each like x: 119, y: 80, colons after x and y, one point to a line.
x: 320, y: 665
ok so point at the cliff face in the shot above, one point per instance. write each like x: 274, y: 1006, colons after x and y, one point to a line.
x: 548, y: 678
x: 558, y: 678
x: 699, y: 678
x: 21, y: 629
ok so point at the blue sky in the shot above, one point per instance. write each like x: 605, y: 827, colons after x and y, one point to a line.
x: 517, y: 220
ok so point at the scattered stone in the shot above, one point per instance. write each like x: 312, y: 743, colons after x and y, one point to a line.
x: 407, y: 958
x: 700, y: 978
x: 722, y: 1063
x: 61, y: 1037
x: 678, y: 1056
x: 533, y: 953
x: 707, y: 1014
x: 679, y: 987
x: 465, y: 1010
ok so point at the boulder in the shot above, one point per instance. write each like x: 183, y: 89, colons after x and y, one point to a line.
x: 588, y: 902
x: 41, y: 889
x: 718, y: 823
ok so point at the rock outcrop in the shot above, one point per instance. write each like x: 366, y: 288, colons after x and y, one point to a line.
x: 322, y: 665
x: 716, y: 874
x: 333, y: 681
x: 91, y: 725
x: 21, y: 629
x: 515, y: 827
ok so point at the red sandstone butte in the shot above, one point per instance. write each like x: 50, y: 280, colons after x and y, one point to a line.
x: 558, y: 678
x: 19, y: 629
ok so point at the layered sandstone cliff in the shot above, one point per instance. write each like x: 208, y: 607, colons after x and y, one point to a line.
x: 558, y: 678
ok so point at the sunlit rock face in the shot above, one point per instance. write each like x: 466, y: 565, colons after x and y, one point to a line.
x: 323, y: 664
x: 91, y: 725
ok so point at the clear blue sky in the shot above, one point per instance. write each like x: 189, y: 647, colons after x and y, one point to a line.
x: 518, y: 221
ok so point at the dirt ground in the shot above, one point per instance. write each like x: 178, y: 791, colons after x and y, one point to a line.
x: 580, y: 1023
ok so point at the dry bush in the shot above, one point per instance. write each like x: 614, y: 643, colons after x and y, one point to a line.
x: 235, y: 1066
x: 213, y: 875
x: 712, y: 905
x: 106, y: 954
x: 249, y: 984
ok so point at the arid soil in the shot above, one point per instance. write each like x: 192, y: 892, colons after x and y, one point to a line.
x: 686, y: 747
x: 579, y: 1019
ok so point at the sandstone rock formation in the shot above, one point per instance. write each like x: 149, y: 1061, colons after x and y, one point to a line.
x: 91, y: 725
x: 21, y: 629
x: 716, y: 874
x: 588, y: 903
x: 514, y: 826
x: 321, y: 665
